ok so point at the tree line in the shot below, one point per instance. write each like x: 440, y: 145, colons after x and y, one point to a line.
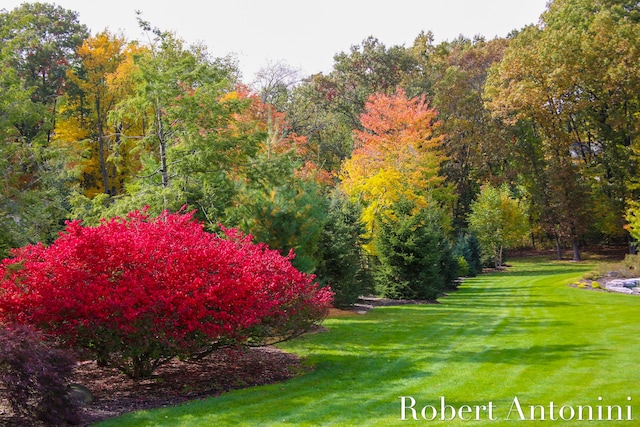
x: 391, y: 172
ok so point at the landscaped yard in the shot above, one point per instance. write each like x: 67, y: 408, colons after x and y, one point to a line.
x: 519, y: 336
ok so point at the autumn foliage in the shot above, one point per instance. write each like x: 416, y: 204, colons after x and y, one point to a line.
x: 398, y: 137
x: 396, y: 157
x: 138, y: 291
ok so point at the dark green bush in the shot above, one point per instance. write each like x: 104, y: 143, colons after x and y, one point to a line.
x: 342, y: 264
x: 449, y: 267
x: 468, y: 246
x: 34, y: 378
x: 415, y: 258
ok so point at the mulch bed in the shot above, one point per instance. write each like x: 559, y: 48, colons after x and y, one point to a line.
x: 177, y: 382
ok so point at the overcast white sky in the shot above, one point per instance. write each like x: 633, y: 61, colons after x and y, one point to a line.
x: 303, y: 34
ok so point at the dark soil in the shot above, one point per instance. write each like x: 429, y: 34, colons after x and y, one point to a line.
x: 177, y: 382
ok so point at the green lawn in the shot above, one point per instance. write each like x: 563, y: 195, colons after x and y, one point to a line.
x: 521, y: 335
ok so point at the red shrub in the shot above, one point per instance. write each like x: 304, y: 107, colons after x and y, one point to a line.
x: 138, y: 291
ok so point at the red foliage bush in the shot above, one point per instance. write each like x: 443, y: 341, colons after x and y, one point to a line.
x: 138, y: 291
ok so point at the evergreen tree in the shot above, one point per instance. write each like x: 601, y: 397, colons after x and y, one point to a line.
x: 415, y: 260
x: 342, y: 261
x: 468, y: 247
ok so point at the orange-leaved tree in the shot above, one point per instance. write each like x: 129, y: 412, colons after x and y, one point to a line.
x: 396, y: 156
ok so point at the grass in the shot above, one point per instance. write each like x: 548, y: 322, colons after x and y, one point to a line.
x: 523, y: 333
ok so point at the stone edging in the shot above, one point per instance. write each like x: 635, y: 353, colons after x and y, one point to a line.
x: 624, y: 286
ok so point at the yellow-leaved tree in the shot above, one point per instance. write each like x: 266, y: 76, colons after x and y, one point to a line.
x: 396, y: 157
x: 102, y: 78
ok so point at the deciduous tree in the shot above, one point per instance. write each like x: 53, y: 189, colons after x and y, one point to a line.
x: 474, y: 142
x: 573, y: 79
x: 37, y: 46
x: 397, y: 156
x: 499, y: 221
x: 39, y: 40
x: 101, y: 79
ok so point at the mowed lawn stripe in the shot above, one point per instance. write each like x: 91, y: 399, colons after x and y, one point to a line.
x: 522, y: 333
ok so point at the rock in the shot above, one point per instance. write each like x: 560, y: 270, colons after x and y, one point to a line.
x: 619, y: 289
x: 624, y: 283
x: 80, y: 394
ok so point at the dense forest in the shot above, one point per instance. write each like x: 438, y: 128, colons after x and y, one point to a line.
x: 396, y: 171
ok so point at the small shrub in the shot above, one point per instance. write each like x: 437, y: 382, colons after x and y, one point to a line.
x: 448, y: 262
x: 463, y: 266
x: 468, y: 246
x: 592, y: 275
x: 595, y: 285
x: 582, y: 285
x: 34, y: 378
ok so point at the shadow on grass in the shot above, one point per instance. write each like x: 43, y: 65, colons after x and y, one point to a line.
x: 504, y: 300
x: 534, y: 355
x: 486, y: 295
x: 533, y: 268
x: 403, y: 330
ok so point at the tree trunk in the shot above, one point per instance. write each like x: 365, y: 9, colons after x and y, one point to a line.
x: 558, y: 247
x: 162, y: 139
x: 533, y: 240
x: 498, y: 257
x: 102, y: 151
x: 117, y: 183
x: 163, y: 164
x: 576, y: 249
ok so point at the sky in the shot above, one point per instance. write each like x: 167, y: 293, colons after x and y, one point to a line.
x: 303, y: 35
